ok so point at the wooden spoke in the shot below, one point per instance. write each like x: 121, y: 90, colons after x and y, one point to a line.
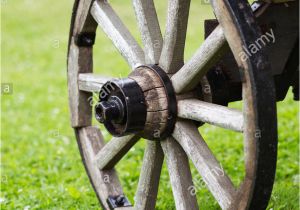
x: 180, y: 175
x: 118, y: 33
x: 219, y: 184
x: 172, y: 56
x: 209, y: 52
x: 149, y: 178
x: 211, y: 113
x: 84, y: 22
x: 149, y: 28
x: 105, y: 183
x: 114, y: 151
x: 91, y: 83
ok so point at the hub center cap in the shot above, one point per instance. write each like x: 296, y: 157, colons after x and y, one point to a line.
x: 143, y: 103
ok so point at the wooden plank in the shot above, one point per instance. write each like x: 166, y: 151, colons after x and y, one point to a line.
x: 91, y: 83
x: 84, y: 22
x: 154, y: 129
x: 149, y: 28
x: 157, y: 105
x: 114, y: 28
x: 231, y: 33
x: 125, y: 208
x: 180, y: 175
x: 235, y: 41
x: 259, y: 110
x: 146, y: 79
x: 105, y: 183
x: 219, y: 184
x: 157, y: 117
x: 146, y: 83
x: 172, y: 56
x: 80, y: 60
x: 149, y: 179
x: 114, y: 151
x: 209, y: 52
x: 155, y: 100
x: 154, y: 93
x: 211, y: 113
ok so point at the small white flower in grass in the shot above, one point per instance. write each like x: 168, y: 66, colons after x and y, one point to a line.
x: 55, y: 111
x: 20, y: 98
x: 26, y: 207
x: 2, y: 200
x: 66, y: 140
x: 296, y: 179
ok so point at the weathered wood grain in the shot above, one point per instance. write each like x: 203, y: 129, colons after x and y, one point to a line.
x: 159, y: 104
x: 146, y: 79
x: 84, y: 22
x: 157, y: 117
x: 155, y: 100
x: 154, y: 93
x: 235, y: 43
x: 230, y: 31
x: 125, y: 208
x: 149, y: 178
x: 91, y: 83
x: 172, y: 55
x: 219, y: 184
x: 114, y: 28
x: 214, y: 114
x: 259, y: 106
x: 105, y: 182
x: 153, y: 130
x: 208, y: 53
x: 180, y: 175
x: 146, y: 82
x: 114, y: 151
x: 80, y: 60
x: 149, y: 28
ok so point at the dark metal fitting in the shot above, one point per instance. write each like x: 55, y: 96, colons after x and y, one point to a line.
x: 111, y: 110
x: 85, y: 39
x: 118, y: 201
x: 121, y: 107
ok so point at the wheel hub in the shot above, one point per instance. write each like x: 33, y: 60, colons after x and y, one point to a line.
x: 143, y: 103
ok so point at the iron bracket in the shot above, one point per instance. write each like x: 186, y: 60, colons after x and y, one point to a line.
x: 85, y: 39
x: 117, y: 201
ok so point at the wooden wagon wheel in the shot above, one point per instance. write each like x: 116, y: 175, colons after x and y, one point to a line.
x: 181, y: 139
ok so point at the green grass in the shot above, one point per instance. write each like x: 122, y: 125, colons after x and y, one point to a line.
x: 41, y: 166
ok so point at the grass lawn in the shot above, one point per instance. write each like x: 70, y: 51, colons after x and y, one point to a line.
x: 41, y: 166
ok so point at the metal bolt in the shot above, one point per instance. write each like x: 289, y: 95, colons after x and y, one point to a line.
x: 111, y: 110
x: 87, y: 40
x: 120, y: 201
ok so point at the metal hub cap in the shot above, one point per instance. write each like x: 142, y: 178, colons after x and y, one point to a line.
x: 143, y: 103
